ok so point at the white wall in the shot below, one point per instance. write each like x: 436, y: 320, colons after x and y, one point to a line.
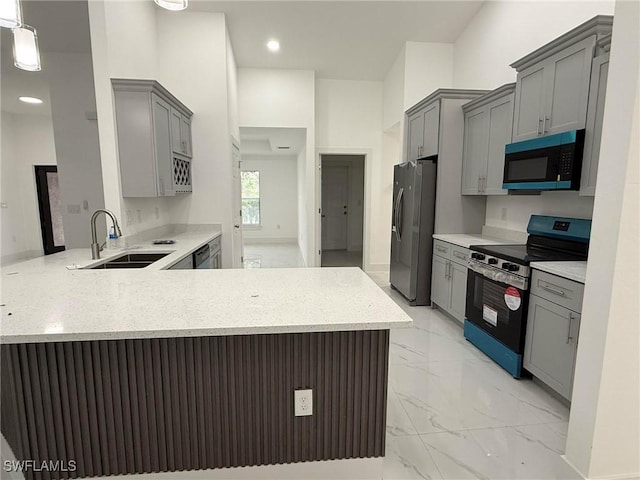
x: 429, y: 66
x: 393, y: 93
x: 73, y: 99
x: 349, y: 121
x: 278, y: 197
x: 499, y: 34
x: 139, y: 40
x: 286, y: 98
x: 27, y: 140
x: 604, y: 427
x: 505, y: 31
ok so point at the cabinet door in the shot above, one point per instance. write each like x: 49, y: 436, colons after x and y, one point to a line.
x: 185, y: 135
x: 176, y: 132
x: 550, y: 346
x: 458, y: 291
x: 567, y: 88
x: 440, y: 289
x: 500, y: 127
x: 431, y: 130
x: 414, y: 139
x: 474, y: 155
x: 162, y: 145
x: 595, y: 114
x: 529, y: 103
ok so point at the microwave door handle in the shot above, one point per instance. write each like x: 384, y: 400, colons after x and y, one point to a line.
x: 540, y: 127
x: 545, y: 129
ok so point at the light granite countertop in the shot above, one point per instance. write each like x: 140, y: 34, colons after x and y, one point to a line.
x: 466, y: 240
x: 186, y: 243
x: 44, y: 301
x: 576, y: 271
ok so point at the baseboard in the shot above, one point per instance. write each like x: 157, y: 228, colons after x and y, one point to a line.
x: 377, y: 267
x: 257, y: 240
x: 19, y: 257
x: 348, y: 469
x: 572, y: 473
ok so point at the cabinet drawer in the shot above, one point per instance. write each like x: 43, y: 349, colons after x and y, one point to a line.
x: 214, y: 244
x: 558, y: 290
x: 442, y: 249
x: 459, y: 255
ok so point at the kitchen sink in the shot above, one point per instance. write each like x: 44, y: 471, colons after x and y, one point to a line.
x: 130, y: 260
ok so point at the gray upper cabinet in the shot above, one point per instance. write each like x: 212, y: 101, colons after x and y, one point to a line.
x: 155, y: 160
x: 415, y: 135
x: 595, y: 114
x: 180, y: 133
x: 423, y: 130
x: 552, y: 87
x: 488, y: 123
x: 431, y: 130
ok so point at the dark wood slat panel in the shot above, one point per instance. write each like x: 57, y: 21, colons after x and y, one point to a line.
x: 142, y: 406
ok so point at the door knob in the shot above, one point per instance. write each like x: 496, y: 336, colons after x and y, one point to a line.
x: 345, y: 212
x: 236, y: 226
x: 324, y: 216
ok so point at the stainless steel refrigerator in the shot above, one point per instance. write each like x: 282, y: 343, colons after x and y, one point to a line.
x: 414, y: 202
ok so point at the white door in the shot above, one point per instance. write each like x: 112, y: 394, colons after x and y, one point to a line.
x: 237, y: 207
x: 335, y: 181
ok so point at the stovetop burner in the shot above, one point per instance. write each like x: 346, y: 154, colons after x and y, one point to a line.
x: 525, y: 254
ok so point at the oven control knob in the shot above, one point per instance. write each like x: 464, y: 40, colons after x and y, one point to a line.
x: 492, y: 261
x: 477, y: 256
x: 512, y: 267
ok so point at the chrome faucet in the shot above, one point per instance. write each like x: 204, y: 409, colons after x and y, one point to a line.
x: 95, y: 246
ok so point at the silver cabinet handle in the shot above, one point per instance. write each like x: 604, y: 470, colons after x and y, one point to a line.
x: 544, y: 125
x: 484, y: 184
x: 449, y: 269
x: 479, y: 187
x: 552, y: 290
x: 539, y: 127
x: 441, y: 249
x: 569, y: 337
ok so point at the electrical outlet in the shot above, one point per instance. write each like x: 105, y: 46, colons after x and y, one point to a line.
x: 303, y: 401
x: 129, y: 217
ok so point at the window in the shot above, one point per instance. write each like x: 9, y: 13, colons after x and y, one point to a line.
x: 250, y: 182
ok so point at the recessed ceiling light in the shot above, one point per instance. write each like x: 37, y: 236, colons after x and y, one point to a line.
x: 174, y: 5
x: 30, y: 100
x: 273, y: 45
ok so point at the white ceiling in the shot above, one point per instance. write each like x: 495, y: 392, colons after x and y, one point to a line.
x: 260, y: 141
x: 62, y: 26
x: 356, y: 40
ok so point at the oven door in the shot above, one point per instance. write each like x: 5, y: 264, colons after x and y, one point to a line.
x: 497, y: 308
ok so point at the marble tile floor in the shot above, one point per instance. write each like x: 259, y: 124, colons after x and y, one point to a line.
x: 454, y: 414
x: 341, y: 258
x: 272, y: 255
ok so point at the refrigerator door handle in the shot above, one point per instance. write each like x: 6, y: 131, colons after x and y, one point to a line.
x: 394, y: 226
x: 399, y: 215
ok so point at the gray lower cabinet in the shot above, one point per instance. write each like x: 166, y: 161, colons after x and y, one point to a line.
x: 593, y: 133
x: 449, y: 278
x: 488, y: 123
x: 215, y: 251
x: 149, y: 122
x: 185, y: 264
x: 552, y: 86
x: 552, y: 332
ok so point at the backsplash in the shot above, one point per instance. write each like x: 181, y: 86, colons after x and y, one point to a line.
x: 512, y: 212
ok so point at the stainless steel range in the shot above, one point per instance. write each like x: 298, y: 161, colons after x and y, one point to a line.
x: 498, y: 285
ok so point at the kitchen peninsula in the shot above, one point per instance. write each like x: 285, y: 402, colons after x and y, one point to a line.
x: 138, y: 371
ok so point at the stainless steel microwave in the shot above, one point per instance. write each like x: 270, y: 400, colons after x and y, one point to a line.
x: 553, y: 162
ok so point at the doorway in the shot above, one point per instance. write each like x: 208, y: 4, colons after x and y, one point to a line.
x: 342, y: 206
x: 49, y: 205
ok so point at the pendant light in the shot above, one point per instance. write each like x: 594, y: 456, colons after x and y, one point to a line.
x: 10, y: 13
x: 174, y: 5
x: 25, y: 48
